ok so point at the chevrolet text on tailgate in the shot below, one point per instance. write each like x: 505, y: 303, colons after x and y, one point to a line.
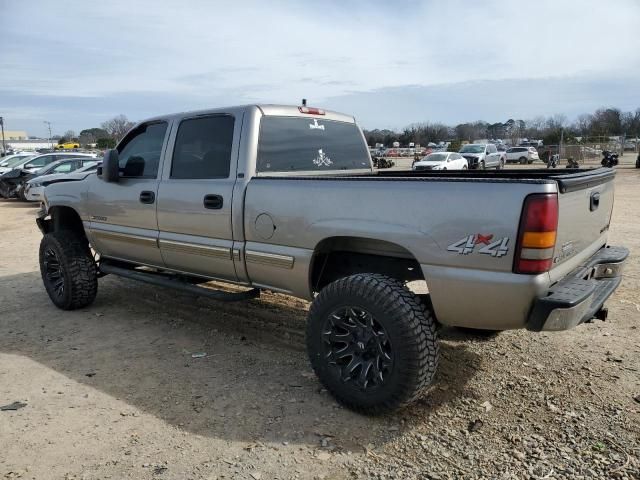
x: 285, y: 198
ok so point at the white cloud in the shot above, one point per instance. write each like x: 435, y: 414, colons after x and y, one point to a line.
x: 281, y: 51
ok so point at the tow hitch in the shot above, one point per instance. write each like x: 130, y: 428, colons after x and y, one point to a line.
x: 602, y: 314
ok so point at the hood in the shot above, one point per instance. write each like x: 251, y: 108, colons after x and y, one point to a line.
x: 14, y: 173
x: 59, y: 177
x: 430, y: 163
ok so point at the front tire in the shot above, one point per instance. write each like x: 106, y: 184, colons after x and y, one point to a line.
x: 68, y: 270
x: 372, y: 343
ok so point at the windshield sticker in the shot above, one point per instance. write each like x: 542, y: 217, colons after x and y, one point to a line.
x: 322, y: 160
x: 465, y: 246
x: 315, y: 125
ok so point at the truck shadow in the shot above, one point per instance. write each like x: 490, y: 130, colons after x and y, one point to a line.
x: 232, y: 371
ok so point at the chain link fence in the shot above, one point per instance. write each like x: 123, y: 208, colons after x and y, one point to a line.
x: 589, y: 150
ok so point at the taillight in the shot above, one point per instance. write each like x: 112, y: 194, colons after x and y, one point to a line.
x: 311, y: 110
x: 537, y: 235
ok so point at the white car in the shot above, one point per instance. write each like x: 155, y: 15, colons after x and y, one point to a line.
x: 522, y: 154
x: 442, y: 161
x: 34, y: 189
x: 38, y: 162
x: 9, y: 162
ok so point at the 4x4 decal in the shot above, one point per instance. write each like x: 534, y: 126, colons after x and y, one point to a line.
x: 467, y: 245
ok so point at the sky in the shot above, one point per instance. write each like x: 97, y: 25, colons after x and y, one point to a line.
x: 78, y: 63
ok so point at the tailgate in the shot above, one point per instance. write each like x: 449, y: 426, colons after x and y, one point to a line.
x: 585, y: 205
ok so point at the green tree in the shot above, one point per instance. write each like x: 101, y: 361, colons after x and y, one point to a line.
x: 105, y: 143
x: 455, y: 145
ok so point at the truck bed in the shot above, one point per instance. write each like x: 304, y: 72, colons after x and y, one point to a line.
x: 567, y: 179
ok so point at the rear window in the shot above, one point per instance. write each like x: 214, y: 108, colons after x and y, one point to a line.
x: 289, y: 144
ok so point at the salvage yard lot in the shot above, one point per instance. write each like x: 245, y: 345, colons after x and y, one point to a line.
x: 115, y: 390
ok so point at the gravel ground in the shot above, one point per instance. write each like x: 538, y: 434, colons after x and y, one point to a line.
x: 122, y: 390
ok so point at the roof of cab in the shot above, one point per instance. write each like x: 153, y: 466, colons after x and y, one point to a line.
x: 265, y: 109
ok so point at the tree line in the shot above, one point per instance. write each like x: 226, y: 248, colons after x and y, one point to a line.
x: 106, y: 136
x: 603, y: 122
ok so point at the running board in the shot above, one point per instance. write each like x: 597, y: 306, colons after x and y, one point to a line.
x: 162, y: 281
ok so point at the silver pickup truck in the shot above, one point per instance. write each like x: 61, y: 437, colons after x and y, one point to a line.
x: 285, y: 198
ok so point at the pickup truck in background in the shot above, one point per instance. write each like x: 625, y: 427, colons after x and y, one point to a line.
x: 285, y: 198
x: 481, y: 156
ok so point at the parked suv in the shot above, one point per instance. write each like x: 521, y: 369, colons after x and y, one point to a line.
x: 483, y: 155
x: 522, y: 155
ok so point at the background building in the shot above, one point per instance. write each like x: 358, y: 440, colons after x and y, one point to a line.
x: 14, y: 135
x: 27, y: 145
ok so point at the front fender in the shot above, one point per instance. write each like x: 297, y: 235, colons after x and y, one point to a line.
x: 67, y: 194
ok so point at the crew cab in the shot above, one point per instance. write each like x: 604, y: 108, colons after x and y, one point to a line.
x: 285, y: 198
x: 481, y: 156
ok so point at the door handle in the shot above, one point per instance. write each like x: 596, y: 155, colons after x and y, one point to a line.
x: 213, y: 202
x: 594, y: 201
x: 147, y: 197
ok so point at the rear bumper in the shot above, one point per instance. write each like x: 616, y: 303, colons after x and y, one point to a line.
x: 579, y: 296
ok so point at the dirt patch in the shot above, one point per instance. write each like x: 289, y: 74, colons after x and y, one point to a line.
x: 115, y: 390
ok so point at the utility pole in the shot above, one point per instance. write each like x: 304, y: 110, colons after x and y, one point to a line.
x: 4, y: 147
x: 49, y: 125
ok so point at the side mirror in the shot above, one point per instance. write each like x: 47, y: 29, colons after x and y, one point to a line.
x: 110, y: 170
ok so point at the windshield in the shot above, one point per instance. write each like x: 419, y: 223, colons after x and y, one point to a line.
x: 14, y: 161
x: 289, y: 144
x: 472, y: 149
x: 435, y: 157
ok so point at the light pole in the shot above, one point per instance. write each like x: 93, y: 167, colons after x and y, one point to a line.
x: 49, y: 125
x: 4, y: 147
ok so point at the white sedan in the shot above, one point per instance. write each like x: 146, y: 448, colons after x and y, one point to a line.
x: 442, y: 161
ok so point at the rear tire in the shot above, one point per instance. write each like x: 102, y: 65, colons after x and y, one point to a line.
x: 68, y: 270
x: 372, y: 343
x: 522, y: 160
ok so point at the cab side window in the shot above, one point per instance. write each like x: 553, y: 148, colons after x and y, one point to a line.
x: 65, y: 167
x: 139, y: 152
x: 203, y: 148
x: 40, y: 161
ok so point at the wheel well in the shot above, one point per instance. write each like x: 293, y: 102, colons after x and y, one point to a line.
x: 339, y: 257
x: 66, y: 218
